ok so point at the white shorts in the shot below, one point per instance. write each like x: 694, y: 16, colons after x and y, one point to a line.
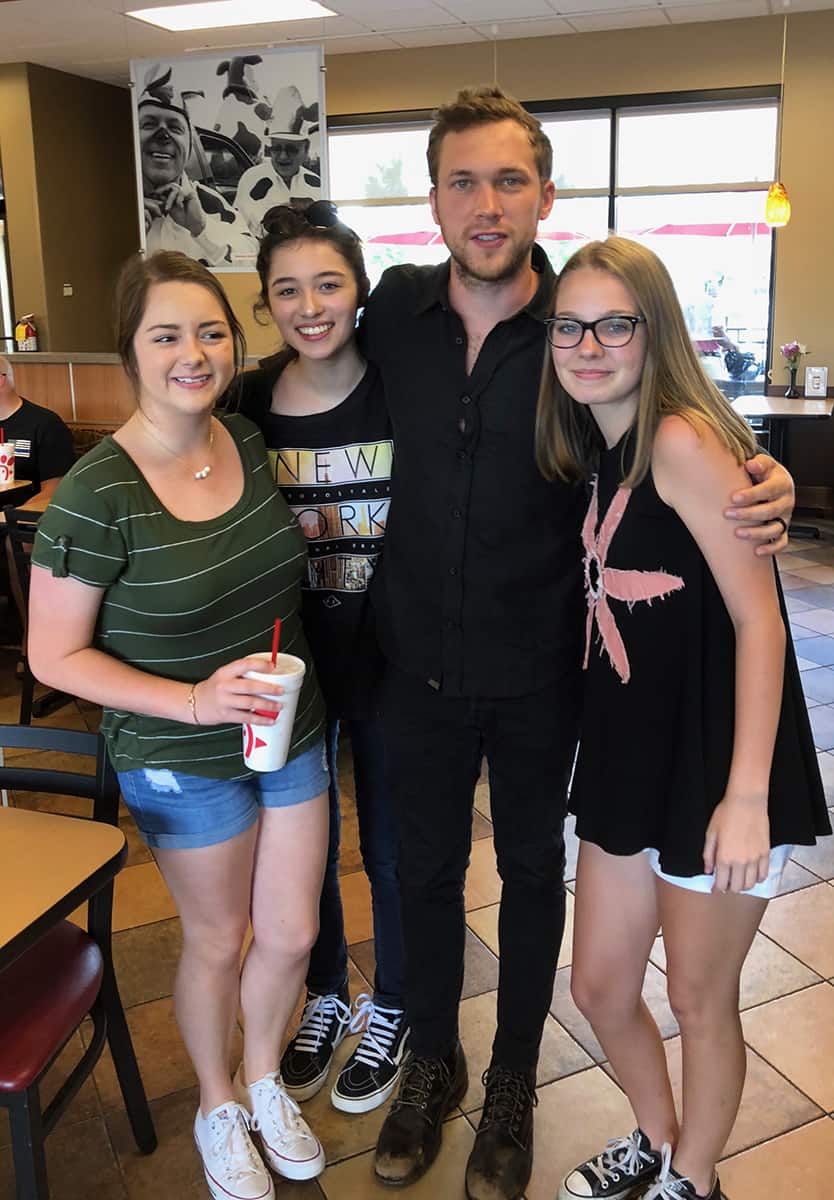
x: 779, y: 856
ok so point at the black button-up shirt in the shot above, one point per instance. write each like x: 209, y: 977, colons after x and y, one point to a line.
x: 479, y: 588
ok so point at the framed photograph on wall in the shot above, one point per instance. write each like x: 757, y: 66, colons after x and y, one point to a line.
x: 220, y: 141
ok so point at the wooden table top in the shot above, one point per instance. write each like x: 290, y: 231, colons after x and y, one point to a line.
x: 49, y: 864
x: 780, y: 406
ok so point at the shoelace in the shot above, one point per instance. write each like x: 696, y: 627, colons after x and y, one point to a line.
x: 381, y: 1027
x: 232, y: 1145
x: 283, y: 1111
x: 319, y: 1013
x: 621, y: 1156
x: 507, y: 1096
x: 666, y: 1187
x: 418, y: 1080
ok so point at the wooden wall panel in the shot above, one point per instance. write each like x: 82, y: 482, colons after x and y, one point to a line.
x: 47, y: 384
x: 102, y: 393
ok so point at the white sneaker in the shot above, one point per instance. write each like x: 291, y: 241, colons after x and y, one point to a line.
x: 289, y: 1145
x: 231, y: 1164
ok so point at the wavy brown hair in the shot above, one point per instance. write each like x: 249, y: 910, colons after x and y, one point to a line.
x: 568, y: 440
x: 484, y: 106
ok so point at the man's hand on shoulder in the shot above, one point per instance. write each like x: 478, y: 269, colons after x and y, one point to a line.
x: 763, y: 511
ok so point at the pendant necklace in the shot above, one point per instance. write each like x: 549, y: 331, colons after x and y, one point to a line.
x: 205, y: 471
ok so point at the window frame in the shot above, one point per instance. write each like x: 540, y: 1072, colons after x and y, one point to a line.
x: 705, y: 98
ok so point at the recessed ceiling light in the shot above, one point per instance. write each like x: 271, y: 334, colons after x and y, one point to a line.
x: 218, y: 14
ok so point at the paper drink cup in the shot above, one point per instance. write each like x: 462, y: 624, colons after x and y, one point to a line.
x: 265, y: 747
x: 6, y: 462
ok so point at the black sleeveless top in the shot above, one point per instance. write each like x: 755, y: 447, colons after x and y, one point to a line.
x: 659, y: 703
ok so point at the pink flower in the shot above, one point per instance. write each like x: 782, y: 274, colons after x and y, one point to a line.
x: 631, y: 586
x: 792, y: 352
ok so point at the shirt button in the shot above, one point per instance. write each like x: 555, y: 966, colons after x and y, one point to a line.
x: 456, y: 513
x: 453, y: 570
x: 458, y: 341
x: 466, y: 399
x: 461, y: 456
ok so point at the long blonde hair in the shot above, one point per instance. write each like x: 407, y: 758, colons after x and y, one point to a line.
x: 673, y: 381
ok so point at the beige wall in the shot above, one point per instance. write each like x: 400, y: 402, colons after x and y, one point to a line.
x: 86, y: 200
x: 17, y: 153
x: 67, y: 151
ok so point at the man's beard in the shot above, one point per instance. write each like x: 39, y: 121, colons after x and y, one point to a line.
x: 499, y: 273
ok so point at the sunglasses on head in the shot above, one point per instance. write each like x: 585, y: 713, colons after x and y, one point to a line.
x: 284, y: 221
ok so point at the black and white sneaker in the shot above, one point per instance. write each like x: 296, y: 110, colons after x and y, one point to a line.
x: 669, y: 1185
x: 624, y: 1169
x: 307, y: 1058
x: 371, y: 1073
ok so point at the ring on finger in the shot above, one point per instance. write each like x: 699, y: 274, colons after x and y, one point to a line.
x: 783, y: 523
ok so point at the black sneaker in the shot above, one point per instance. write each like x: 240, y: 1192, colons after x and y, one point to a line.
x: 307, y: 1058
x: 672, y: 1186
x: 625, y: 1167
x: 371, y: 1073
x: 410, y: 1136
x: 501, y: 1161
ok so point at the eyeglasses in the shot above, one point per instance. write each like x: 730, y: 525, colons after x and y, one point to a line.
x: 612, y: 332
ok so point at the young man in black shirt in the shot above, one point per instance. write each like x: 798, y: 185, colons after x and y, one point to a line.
x: 479, y: 606
x: 43, y: 444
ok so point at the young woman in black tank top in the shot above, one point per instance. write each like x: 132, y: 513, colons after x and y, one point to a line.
x: 696, y: 771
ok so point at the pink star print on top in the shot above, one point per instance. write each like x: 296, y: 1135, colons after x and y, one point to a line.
x: 630, y: 586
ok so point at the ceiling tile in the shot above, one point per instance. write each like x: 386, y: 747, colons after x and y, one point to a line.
x: 543, y: 27
x: 581, y: 8
x: 479, y: 11
x: 436, y: 37
x: 635, y: 19
x: 707, y: 12
x: 405, y: 18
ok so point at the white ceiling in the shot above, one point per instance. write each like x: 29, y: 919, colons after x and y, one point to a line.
x: 95, y: 38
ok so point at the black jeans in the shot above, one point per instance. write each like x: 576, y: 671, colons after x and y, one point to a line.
x: 434, y: 746
x: 328, y: 970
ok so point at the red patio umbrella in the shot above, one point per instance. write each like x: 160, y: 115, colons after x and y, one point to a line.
x: 433, y: 237
x: 708, y: 229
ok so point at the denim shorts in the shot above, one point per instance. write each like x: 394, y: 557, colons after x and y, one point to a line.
x: 175, y: 811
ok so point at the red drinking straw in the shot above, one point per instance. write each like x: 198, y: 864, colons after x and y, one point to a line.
x: 2, y: 434
x: 276, y: 637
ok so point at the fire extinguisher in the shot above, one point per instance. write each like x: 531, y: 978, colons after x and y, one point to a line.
x: 25, y: 333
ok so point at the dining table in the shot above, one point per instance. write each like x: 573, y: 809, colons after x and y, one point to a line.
x: 49, y: 865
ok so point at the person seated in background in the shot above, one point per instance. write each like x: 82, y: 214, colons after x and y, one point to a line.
x: 42, y: 442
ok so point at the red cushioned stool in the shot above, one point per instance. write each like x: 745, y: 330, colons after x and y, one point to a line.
x: 50, y: 988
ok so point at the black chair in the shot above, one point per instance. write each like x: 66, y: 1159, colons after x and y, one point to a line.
x: 67, y: 974
x: 21, y: 526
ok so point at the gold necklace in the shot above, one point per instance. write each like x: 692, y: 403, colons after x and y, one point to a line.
x: 205, y: 471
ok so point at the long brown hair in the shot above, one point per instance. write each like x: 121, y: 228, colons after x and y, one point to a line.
x: 137, y: 277
x: 673, y: 380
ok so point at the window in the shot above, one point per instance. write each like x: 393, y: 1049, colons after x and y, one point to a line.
x: 691, y: 183
x: 687, y: 177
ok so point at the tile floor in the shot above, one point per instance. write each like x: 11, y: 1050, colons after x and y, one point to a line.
x: 783, y: 1142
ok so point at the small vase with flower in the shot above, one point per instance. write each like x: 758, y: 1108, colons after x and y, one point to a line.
x: 792, y: 352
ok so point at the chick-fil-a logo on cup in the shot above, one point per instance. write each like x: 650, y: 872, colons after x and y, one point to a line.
x: 6, y: 462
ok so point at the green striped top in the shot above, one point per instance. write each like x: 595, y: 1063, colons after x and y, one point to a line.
x: 182, y: 598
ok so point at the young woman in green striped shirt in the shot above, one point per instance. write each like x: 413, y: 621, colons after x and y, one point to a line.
x: 158, y: 570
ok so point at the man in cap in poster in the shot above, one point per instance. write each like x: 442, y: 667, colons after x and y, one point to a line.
x: 288, y: 175
x: 182, y: 214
